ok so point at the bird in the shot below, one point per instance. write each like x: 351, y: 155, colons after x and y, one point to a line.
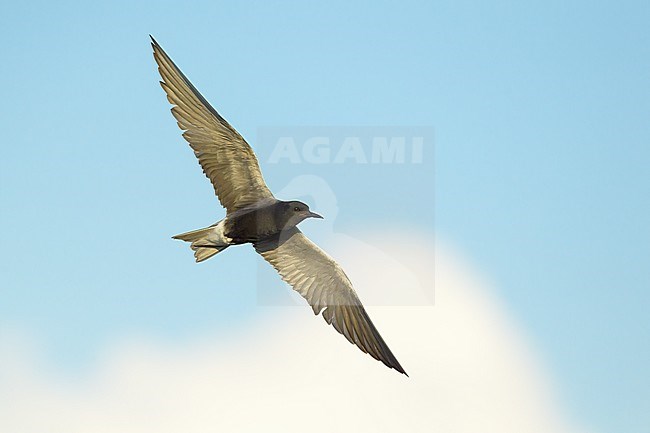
x: 254, y: 216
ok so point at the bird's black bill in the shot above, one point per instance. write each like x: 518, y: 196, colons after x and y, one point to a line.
x: 314, y: 215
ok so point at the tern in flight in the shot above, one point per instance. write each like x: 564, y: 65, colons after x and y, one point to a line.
x: 255, y: 216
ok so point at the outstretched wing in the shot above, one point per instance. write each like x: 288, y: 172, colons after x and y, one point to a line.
x: 227, y: 160
x: 322, y: 282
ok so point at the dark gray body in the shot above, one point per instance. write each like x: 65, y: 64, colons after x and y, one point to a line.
x: 262, y: 221
x: 258, y: 222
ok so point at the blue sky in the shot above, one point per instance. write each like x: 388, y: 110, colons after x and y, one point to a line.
x: 540, y: 114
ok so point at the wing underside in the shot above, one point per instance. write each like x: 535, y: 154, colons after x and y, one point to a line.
x: 322, y: 282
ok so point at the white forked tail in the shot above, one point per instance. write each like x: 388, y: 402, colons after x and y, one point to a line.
x: 206, y: 242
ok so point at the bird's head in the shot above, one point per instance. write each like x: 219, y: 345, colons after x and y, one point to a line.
x: 297, y: 211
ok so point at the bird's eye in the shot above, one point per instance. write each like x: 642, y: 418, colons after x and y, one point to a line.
x: 296, y: 209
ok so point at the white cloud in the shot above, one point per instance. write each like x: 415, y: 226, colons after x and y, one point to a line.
x: 471, y: 369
